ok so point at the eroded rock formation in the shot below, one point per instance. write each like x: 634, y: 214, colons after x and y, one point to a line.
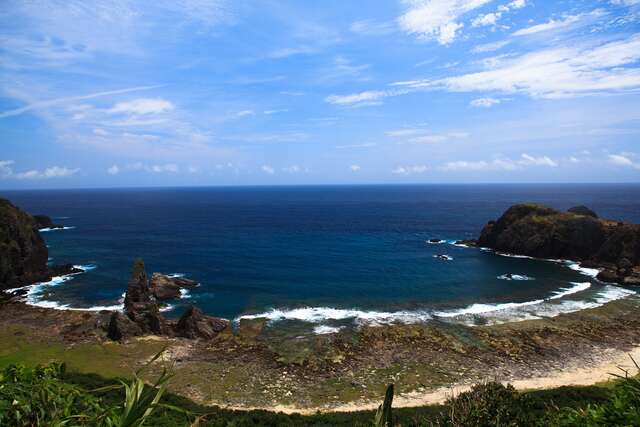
x: 578, y: 234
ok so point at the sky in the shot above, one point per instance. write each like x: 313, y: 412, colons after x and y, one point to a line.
x: 119, y: 93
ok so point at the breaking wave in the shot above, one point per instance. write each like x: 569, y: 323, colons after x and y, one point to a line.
x: 510, y: 276
x: 44, y: 230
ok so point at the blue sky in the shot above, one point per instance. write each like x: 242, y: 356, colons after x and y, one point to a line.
x: 193, y: 92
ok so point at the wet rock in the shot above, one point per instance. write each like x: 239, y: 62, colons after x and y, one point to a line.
x: 195, y: 324
x: 166, y: 287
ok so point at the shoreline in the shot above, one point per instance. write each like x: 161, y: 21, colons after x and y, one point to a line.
x: 574, y: 376
x: 258, y: 369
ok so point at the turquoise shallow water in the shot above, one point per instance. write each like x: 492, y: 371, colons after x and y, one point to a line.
x: 330, y: 256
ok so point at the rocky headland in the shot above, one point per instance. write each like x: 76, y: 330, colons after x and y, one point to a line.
x: 578, y: 234
x: 23, y: 252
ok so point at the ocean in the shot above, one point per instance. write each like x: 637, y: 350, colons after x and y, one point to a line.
x: 320, y: 257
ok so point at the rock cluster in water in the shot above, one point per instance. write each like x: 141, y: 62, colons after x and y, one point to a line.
x: 578, y: 234
x: 141, y: 315
x: 23, y: 252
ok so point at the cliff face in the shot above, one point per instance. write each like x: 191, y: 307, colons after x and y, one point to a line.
x: 577, y: 234
x: 23, y: 253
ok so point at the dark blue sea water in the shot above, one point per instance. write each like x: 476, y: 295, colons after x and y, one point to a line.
x: 326, y: 254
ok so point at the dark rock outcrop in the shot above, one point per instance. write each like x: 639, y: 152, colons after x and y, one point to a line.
x: 583, y: 210
x: 44, y: 221
x: 166, y: 287
x: 539, y: 231
x: 23, y: 253
x: 142, y: 315
x: 195, y: 324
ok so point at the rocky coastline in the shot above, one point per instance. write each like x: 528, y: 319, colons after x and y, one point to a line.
x: 254, y: 366
x: 534, y: 230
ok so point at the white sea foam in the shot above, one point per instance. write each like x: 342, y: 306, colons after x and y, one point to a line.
x: 478, y: 308
x: 612, y: 293
x: 591, y: 272
x: 324, y: 329
x: 435, y: 241
x: 44, y: 230
x: 444, y: 257
x: 515, y: 277
x: 577, y: 287
x: 166, y: 308
x: 175, y: 275
x: 321, y: 314
x: 184, y: 293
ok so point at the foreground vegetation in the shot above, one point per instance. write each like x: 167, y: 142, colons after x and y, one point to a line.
x: 51, y: 396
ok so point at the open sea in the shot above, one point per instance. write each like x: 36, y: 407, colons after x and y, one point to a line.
x: 326, y: 257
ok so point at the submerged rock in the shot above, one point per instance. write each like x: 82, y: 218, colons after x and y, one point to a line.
x: 195, y: 324
x: 166, y: 287
x: 539, y: 231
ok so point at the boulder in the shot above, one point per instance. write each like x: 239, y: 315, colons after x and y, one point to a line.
x: 121, y: 327
x: 583, y: 210
x: 195, y: 324
x: 165, y: 287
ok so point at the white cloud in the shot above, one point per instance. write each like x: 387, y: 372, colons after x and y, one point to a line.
x: 69, y: 99
x: 486, y: 19
x: 369, y: 27
x: 6, y: 171
x: 269, y: 112
x: 355, y: 168
x: 408, y: 170
x: 113, y: 170
x: 436, y: 18
x: 295, y: 169
x: 52, y: 172
x: 166, y: 168
x: 537, y: 161
x: 268, y: 169
x: 484, y: 102
x: 490, y: 47
x: 362, y: 97
x: 142, y: 106
x: 244, y: 113
x: 517, y: 4
x: 499, y: 164
x: 624, y: 160
x: 553, y: 24
x: 555, y: 73
x: 625, y: 2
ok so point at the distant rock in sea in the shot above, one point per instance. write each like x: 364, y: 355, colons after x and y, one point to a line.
x: 45, y: 221
x: 578, y: 234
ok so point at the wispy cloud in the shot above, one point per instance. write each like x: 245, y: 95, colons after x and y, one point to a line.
x: 504, y: 164
x: 554, y: 24
x: 484, y: 102
x: 142, y: 106
x: 70, y: 99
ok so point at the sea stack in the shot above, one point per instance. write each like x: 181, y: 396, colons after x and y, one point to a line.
x: 577, y: 234
x: 142, y: 314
